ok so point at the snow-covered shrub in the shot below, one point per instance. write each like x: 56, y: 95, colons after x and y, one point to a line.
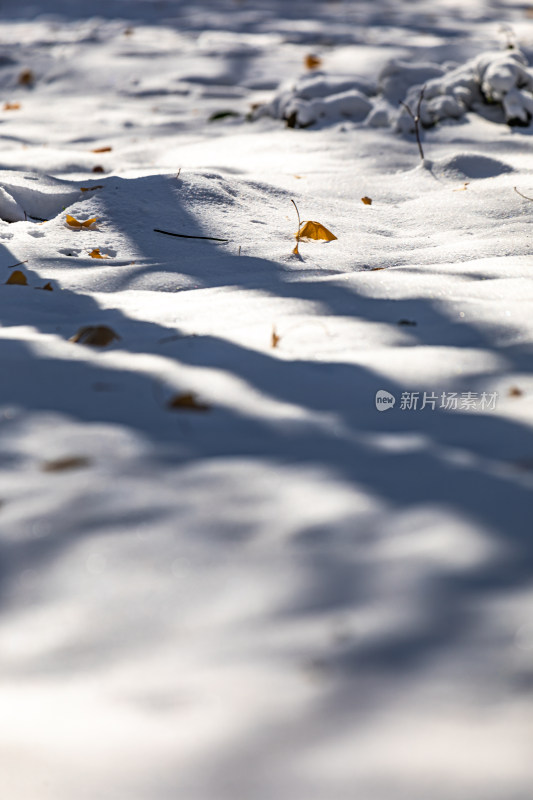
x: 316, y: 98
x: 493, y: 78
x: 501, y: 80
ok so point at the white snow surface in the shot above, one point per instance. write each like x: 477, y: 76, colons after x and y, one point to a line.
x: 286, y: 593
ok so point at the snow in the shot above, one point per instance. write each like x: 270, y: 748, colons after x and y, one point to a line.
x: 288, y: 592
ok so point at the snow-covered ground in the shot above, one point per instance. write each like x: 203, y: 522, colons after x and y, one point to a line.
x: 274, y: 540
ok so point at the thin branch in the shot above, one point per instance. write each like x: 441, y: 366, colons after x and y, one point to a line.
x: 420, y: 103
x: 416, y: 119
x: 296, y: 250
x: 188, y: 236
x: 523, y: 195
x: 17, y: 264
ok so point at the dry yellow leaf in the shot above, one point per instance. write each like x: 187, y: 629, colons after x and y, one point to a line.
x: 314, y: 230
x: 367, y: 201
x: 187, y: 401
x: 312, y: 62
x: 97, y: 254
x: 74, y: 223
x: 11, y: 106
x: 17, y: 278
x: 275, y: 339
x: 95, y: 335
x: 26, y: 77
x: 102, y: 150
x: 62, y: 464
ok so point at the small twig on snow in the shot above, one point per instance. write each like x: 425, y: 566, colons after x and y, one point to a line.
x: 296, y: 251
x: 416, y: 119
x: 17, y: 264
x: 523, y: 195
x: 188, y: 236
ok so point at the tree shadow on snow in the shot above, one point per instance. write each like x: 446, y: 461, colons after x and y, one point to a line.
x: 464, y: 463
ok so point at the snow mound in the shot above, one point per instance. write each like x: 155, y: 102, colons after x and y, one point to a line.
x: 470, y: 165
x: 10, y: 210
x: 25, y: 194
x: 498, y: 85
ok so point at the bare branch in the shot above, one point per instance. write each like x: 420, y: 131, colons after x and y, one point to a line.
x: 296, y: 250
x: 523, y: 195
x: 188, y: 236
x: 416, y: 119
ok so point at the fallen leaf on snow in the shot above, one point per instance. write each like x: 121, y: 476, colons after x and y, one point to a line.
x: 274, y: 339
x: 367, y: 201
x: 75, y: 223
x: 97, y: 254
x: 312, y: 62
x: 11, y: 106
x: 102, y: 150
x: 26, y: 77
x: 98, y: 168
x: 18, y: 278
x: 515, y: 391
x: 46, y: 288
x: 314, y: 230
x: 95, y: 335
x: 90, y: 188
x: 187, y: 401
x: 63, y: 464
